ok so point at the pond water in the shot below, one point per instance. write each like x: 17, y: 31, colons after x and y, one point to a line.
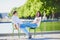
x: 5, y: 27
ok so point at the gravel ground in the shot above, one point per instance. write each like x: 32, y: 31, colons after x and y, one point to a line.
x: 37, y: 37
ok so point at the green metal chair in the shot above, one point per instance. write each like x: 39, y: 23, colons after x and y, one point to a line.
x: 15, y: 28
x: 35, y: 28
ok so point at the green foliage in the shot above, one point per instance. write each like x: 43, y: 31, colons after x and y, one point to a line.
x: 50, y: 6
x: 30, y: 8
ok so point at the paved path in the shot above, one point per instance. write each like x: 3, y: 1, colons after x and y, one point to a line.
x: 37, y: 37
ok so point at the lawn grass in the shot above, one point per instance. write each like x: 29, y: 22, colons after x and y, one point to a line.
x: 48, y: 26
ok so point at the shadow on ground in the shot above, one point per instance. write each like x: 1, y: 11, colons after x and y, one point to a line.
x: 44, y: 39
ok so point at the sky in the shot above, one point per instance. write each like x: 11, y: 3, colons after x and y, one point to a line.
x: 7, y: 5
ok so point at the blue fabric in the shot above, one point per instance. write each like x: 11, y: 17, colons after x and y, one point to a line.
x: 22, y: 25
x: 31, y: 25
x: 27, y: 24
x: 25, y: 31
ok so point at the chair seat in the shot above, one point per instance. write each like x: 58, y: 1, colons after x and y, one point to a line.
x: 33, y: 28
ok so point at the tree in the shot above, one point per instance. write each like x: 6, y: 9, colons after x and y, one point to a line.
x: 32, y: 6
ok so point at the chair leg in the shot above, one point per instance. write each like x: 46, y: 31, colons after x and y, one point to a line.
x: 34, y: 32
x: 18, y: 33
x: 13, y: 33
x: 29, y: 30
